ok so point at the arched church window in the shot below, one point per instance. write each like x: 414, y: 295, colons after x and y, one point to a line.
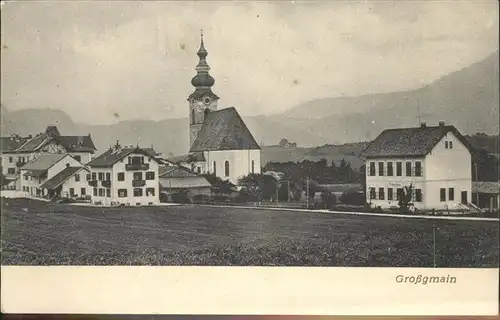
x: 192, y: 117
x: 206, y: 112
x: 215, y: 168
x: 253, y: 166
x: 226, y: 168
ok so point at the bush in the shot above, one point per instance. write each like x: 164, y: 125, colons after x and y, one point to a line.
x: 180, y: 197
x: 353, y: 198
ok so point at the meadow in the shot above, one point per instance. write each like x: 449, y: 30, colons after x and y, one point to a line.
x: 36, y: 233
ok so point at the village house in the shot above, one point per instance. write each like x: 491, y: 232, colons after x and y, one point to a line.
x: 124, y: 176
x: 16, y: 151
x: 435, y: 160
x: 219, y: 141
x: 53, y: 175
x: 486, y: 194
x: 176, y: 178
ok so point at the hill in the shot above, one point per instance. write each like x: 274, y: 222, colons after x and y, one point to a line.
x: 467, y: 98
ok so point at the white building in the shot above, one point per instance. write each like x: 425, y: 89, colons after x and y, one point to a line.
x: 436, y: 161
x: 16, y: 151
x: 49, y: 175
x: 219, y: 141
x: 125, y: 176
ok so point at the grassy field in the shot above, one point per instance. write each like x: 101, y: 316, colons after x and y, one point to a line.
x: 42, y: 234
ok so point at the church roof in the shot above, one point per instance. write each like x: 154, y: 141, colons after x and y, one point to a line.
x: 224, y: 130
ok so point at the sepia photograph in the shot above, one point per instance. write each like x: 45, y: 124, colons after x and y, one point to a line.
x: 228, y: 133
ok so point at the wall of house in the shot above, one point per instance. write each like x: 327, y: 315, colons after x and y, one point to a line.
x: 116, y: 185
x: 240, y: 163
x: 15, y: 157
x: 76, y: 185
x: 448, y: 168
x: 85, y: 157
x: 61, y: 165
x: 394, y: 181
x: 94, y: 191
x: 30, y: 184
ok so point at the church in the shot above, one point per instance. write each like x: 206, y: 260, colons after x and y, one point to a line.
x: 219, y: 141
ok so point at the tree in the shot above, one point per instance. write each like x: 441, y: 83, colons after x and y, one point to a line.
x: 283, y: 143
x: 405, y: 198
x: 220, y: 186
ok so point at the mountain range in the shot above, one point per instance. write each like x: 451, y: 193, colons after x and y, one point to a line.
x: 467, y: 98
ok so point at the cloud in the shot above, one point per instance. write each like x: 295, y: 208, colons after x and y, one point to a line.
x: 137, y: 58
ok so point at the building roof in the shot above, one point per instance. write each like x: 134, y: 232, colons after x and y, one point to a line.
x: 32, y: 144
x: 224, y: 130
x: 77, y: 143
x: 176, y: 171
x: 490, y: 187
x: 115, y: 154
x: 43, y: 161
x: 184, y: 183
x: 190, y: 157
x: 10, y: 144
x: 61, y: 177
x: 409, y: 142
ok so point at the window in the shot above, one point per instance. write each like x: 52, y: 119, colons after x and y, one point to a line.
x: 77, y: 177
x: 372, y: 194
x: 371, y: 172
x: 399, y: 192
x: 101, y: 176
x: 95, y: 192
x: 150, y: 192
x: 108, y: 192
x: 389, y: 194
x: 192, y: 117
x: 137, y: 176
x: 451, y: 194
x: 150, y: 175
x: 78, y: 158
x: 198, y: 170
x: 11, y: 160
x: 121, y: 176
x: 72, y: 191
x: 11, y: 170
x: 418, y: 169
x: 253, y: 166
x: 399, y: 169
x: 94, y: 176
x: 137, y: 192
x: 122, y: 193
x: 215, y: 168
x: 226, y: 168
x: 442, y: 194
x: 418, y: 195
x: 108, y: 176
x: 25, y: 177
x: 450, y: 144
x: 381, y: 169
x: 408, y: 169
x: 381, y: 193
x: 446, y: 144
x: 88, y: 176
x: 101, y: 192
x: 390, y: 169
x: 83, y: 191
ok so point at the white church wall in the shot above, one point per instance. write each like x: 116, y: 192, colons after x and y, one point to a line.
x: 240, y: 163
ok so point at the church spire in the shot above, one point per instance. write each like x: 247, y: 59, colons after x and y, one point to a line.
x: 202, y: 79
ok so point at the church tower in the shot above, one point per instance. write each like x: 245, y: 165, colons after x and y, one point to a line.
x: 202, y: 100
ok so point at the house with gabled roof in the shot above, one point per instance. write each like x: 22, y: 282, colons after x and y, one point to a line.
x: 176, y: 178
x: 125, y: 175
x: 220, y: 143
x: 37, y: 176
x: 435, y: 160
x: 17, y: 151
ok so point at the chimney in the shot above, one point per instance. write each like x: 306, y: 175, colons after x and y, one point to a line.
x: 441, y: 124
x: 423, y: 125
x: 117, y: 145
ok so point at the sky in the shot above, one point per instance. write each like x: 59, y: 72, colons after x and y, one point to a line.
x: 103, y: 62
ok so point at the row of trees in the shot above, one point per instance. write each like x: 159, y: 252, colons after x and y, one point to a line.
x: 320, y: 171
